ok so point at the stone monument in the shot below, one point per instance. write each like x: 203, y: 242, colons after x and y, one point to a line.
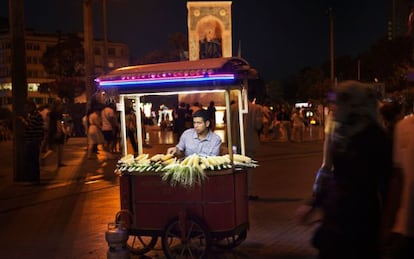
x: 209, y: 29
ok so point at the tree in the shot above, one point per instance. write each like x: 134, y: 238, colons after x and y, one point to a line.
x: 308, y: 80
x: 178, y: 43
x: 388, y: 61
x: 177, y: 46
x: 65, y: 61
x: 274, y: 91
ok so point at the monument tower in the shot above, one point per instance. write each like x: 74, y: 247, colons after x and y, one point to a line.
x: 209, y: 29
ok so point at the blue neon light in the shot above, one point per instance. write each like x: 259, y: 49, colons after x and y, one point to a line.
x: 139, y: 81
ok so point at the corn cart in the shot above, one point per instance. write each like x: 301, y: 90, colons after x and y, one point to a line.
x: 188, y: 219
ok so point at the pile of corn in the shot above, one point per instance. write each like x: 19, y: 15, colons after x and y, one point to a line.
x: 186, y: 172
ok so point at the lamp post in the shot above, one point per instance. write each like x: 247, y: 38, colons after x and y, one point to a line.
x: 105, y: 37
x: 88, y: 49
x: 332, y: 45
x: 88, y: 46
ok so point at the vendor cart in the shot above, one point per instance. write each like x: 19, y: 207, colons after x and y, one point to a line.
x: 189, y: 220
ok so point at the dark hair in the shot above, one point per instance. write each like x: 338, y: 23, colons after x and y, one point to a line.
x: 391, y: 110
x: 203, y: 114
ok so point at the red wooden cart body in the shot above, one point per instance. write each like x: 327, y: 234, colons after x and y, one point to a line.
x: 220, y: 201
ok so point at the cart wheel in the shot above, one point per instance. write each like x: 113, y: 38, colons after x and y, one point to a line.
x: 231, y: 241
x: 139, y: 245
x: 193, y: 240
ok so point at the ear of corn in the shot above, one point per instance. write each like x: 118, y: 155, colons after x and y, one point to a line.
x: 157, y: 157
x: 167, y: 157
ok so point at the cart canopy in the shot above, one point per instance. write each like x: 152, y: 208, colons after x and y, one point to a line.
x: 204, y: 74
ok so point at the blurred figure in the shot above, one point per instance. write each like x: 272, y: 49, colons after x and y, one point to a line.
x: 180, y: 118
x: 195, y: 107
x: 252, y: 122
x: 95, y: 136
x: 298, y: 125
x: 188, y: 116
x: 284, y: 117
x: 57, y: 133
x: 109, y: 126
x: 44, y: 111
x: 357, y: 159
x: 131, y: 128
x: 402, y: 241
x: 33, y: 135
x: 266, y: 122
x: 211, y: 109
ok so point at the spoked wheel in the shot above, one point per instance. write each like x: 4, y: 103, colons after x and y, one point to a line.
x: 136, y: 244
x: 139, y: 245
x: 186, y: 239
x: 231, y: 241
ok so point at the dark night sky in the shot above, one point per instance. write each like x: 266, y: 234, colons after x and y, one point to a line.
x: 278, y: 41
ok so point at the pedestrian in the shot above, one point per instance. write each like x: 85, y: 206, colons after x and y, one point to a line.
x: 131, y: 128
x: 358, y: 156
x: 284, y: 117
x: 200, y: 139
x: 298, y: 126
x: 252, y: 122
x: 195, y: 107
x: 211, y: 109
x: 33, y: 135
x: 402, y: 238
x: 95, y: 135
x: 57, y: 133
x: 144, y: 129
x: 109, y: 126
x: 180, y: 118
x: 44, y: 110
x: 266, y: 121
x: 188, y: 116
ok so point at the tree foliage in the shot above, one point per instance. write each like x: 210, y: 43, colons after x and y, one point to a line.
x: 65, y: 59
x: 387, y: 62
x: 65, y: 62
x: 175, y: 51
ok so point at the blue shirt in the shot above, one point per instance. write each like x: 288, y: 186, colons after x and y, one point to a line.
x: 190, y: 143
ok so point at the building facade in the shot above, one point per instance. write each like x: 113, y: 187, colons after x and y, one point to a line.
x: 36, y: 45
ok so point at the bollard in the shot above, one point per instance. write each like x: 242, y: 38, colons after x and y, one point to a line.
x: 117, y: 236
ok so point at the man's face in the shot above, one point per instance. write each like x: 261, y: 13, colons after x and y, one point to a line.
x: 200, y: 125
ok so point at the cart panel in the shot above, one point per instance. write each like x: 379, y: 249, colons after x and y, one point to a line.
x: 220, y: 201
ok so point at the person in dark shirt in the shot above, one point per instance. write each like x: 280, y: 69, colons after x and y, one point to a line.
x: 33, y: 136
x: 180, y: 118
x: 212, y: 114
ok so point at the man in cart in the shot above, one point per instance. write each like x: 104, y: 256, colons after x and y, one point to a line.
x: 200, y: 139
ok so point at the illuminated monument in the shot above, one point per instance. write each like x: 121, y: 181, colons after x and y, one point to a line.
x: 209, y: 29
